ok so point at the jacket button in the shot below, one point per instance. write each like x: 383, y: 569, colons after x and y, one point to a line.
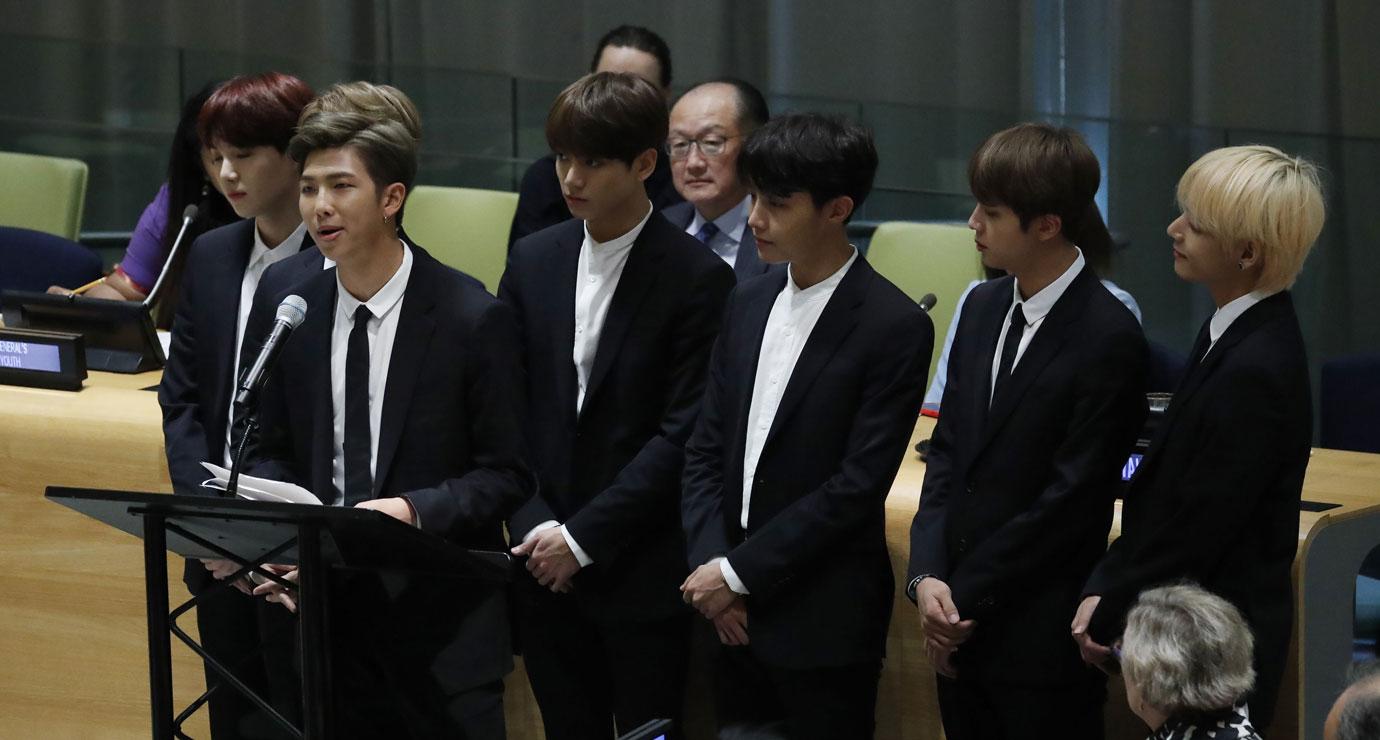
x: 970, y: 489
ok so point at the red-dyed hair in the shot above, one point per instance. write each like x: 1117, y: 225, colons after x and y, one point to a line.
x: 254, y: 110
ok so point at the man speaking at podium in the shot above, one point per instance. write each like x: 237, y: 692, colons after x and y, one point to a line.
x: 399, y: 392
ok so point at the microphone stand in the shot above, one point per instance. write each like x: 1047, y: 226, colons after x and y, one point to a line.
x: 232, y: 486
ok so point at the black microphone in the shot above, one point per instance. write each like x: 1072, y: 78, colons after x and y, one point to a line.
x: 290, y: 314
x: 188, y: 214
x: 927, y: 302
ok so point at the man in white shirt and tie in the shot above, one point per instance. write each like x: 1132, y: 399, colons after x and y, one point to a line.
x: 813, y: 391
x: 399, y: 392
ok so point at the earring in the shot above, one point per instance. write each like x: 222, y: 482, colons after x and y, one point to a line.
x: 1241, y: 264
x: 385, y: 219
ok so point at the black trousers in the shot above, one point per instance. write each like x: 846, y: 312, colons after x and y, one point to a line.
x: 591, y: 677
x: 757, y: 700
x: 257, y: 641
x: 977, y: 710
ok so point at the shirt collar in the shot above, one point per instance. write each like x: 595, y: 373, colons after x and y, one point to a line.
x: 821, y: 289
x: 386, y: 298
x: 731, y: 224
x: 1038, y: 306
x: 262, y: 249
x: 1225, y: 315
x: 618, y: 243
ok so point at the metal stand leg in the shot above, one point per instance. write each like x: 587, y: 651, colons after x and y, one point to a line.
x: 317, y: 699
x: 160, y: 642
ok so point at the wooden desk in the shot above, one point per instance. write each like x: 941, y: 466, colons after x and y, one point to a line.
x: 72, y: 635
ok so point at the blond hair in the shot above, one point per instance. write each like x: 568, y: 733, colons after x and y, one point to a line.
x: 376, y: 101
x: 1257, y: 194
x: 1186, y: 649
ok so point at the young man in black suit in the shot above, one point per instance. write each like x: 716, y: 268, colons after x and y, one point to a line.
x: 399, y: 392
x: 618, y: 311
x: 1215, y: 500
x: 813, y: 392
x: 1044, y: 398
x: 248, y: 122
x: 627, y: 49
x: 709, y: 124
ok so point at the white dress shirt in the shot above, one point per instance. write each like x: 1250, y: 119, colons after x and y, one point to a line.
x: 261, y: 256
x: 789, y: 325
x: 1225, y: 315
x: 385, y: 307
x: 596, y: 279
x: 1035, y: 308
x: 731, y: 225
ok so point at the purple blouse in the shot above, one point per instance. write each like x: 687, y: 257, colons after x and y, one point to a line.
x: 145, y: 254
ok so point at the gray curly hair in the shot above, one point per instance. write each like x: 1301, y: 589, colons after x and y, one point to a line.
x: 1187, y: 649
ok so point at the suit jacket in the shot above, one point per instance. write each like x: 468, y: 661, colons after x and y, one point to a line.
x: 748, y: 263
x: 450, y: 438
x: 199, y: 377
x: 1017, y: 499
x: 814, y: 555
x: 1215, y: 500
x: 612, y: 473
x: 541, y: 205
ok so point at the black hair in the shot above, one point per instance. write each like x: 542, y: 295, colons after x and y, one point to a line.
x: 188, y: 183
x: 1360, y: 718
x: 642, y: 39
x: 825, y: 156
x: 752, y: 105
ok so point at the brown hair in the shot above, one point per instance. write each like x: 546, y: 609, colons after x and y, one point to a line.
x: 608, y: 115
x: 376, y: 101
x: 389, y: 152
x: 1036, y: 169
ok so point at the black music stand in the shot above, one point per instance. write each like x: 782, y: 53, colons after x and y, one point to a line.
x: 251, y: 533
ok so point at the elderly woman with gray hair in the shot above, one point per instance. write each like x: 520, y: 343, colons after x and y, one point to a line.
x: 1186, y: 658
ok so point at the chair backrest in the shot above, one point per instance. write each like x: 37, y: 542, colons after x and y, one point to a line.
x: 465, y: 228
x: 925, y: 258
x: 1350, y: 403
x: 34, y: 260
x: 42, y: 193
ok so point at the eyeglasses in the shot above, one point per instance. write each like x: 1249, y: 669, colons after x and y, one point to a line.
x: 709, y: 146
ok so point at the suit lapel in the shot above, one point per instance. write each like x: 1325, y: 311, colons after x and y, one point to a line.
x: 991, y: 324
x: 836, y: 322
x: 312, y: 342
x: 560, y: 315
x: 410, y: 344
x: 1043, y: 348
x: 748, y: 350
x: 639, y: 275
x: 225, y: 295
x: 748, y: 263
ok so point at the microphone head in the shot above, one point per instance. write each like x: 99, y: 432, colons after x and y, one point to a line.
x: 292, y: 311
x: 927, y: 302
x: 189, y: 212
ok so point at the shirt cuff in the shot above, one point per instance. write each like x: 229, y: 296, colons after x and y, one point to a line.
x: 416, y: 518
x: 734, y: 582
x: 580, y: 554
x: 549, y: 523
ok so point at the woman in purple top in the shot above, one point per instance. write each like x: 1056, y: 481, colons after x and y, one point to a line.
x: 191, y: 179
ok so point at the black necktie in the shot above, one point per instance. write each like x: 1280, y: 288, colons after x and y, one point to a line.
x: 1009, y: 347
x: 358, y: 480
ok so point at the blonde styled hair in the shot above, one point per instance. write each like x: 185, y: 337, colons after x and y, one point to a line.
x: 1259, y: 194
x: 1186, y: 649
x: 376, y: 101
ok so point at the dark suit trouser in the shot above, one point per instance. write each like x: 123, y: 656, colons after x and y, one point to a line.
x: 256, y: 640
x: 588, y: 674
x: 980, y: 710
x: 757, y: 700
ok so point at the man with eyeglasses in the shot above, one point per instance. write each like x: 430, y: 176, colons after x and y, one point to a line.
x: 708, y: 126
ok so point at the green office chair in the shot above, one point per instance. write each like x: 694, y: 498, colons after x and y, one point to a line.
x: 925, y: 258
x: 42, y: 193
x: 465, y: 228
